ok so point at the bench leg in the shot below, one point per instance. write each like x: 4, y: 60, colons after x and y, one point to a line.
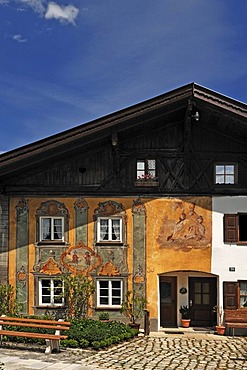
x: 52, y: 344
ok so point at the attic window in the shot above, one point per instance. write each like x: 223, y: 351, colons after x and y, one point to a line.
x: 225, y: 173
x: 146, y: 169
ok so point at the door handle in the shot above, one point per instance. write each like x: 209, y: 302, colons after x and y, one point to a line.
x: 191, y: 302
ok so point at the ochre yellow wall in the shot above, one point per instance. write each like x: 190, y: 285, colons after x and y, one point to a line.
x: 161, y: 255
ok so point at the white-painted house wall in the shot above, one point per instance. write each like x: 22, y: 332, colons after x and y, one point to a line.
x: 226, y: 256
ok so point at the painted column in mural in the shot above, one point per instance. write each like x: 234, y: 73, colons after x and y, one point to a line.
x: 81, y: 211
x: 139, y: 252
x: 22, y: 212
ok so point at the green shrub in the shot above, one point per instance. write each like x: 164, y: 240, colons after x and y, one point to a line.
x: 72, y: 343
x: 85, y: 333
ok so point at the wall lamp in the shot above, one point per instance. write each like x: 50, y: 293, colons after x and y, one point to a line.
x: 196, y: 116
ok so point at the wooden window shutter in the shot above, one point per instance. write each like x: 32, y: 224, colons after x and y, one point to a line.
x: 230, y: 228
x: 230, y: 291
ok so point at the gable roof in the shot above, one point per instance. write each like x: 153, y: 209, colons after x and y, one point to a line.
x: 89, y: 132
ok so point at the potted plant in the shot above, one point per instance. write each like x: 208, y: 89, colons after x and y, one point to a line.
x: 220, y: 328
x: 185, y: 320
x: 133, y: 306
x: 104, y: 316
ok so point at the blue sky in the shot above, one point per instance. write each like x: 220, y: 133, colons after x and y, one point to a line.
x: 64, y: 63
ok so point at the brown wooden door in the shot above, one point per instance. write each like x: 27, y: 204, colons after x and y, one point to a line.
x: 202, y: 299
x: 168, y: 302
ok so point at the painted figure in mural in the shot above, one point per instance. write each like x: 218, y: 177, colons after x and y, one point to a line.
x: 87, y: 257
x: 75, y: 258
x: 189, y: 226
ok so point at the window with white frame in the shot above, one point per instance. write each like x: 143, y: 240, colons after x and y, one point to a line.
x: 146, y: 169
x: 109, y: 229
x: 109, y: 293
x: 51, y: 228
x: 225, y: 173
x: 51, y: 292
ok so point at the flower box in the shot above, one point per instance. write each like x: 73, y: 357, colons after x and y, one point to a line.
x: 146, y: 184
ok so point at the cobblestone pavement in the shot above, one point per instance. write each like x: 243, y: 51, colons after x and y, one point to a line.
x: 159, y: 351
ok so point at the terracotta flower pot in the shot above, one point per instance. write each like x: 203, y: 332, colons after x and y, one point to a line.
x: 185, y: 323
x: 220, y: 329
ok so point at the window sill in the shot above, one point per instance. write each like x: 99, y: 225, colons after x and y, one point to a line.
x: 146, y: 184
x: 52, y: 307
x: 110, y: 243
x: 108, y: 307
x: 51, y: 242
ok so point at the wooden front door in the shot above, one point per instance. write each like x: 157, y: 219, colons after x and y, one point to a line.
x: 168, y: 302
x: 202, y: 299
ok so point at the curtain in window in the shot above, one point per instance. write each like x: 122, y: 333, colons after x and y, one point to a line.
x: 46, y: 228
x: 115, y: 229
x: 58, y: 229
x: 104, y: 230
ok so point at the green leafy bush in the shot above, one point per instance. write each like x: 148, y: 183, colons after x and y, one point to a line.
x: 84, y: 333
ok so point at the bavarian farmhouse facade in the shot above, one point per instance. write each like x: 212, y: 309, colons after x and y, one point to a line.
x: 151, y: 198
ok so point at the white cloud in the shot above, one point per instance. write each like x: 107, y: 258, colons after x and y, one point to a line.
x: 19, y: 38
x: 36, y: 5
x: 63, y: 13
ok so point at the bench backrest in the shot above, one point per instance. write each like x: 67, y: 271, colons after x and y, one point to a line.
x: 35, y: 323
x: 236, y: 315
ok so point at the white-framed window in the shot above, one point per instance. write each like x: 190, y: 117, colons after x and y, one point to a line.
x: 109, y: 229
x: 225, y: 173
x: 243, y: 294
x: 109, y: 293
x: 146, y: 169
x: 51, y: 228
x: 51, y: 292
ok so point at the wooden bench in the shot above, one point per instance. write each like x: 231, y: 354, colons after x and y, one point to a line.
x: 235, y: 319
x: 52, y: 340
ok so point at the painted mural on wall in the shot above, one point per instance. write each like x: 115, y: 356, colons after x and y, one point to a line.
x: 186, y: 225
x: 80, y: 259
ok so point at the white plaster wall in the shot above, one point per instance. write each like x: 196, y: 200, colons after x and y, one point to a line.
x: 225, y: 256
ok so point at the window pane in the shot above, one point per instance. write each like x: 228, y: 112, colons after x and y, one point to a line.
x: 205, y: 299
x: 46, y: 229
x: 116, y: 301
x: 220, y: 179
x: 104, y: 230
x: 219, y: 170
x: 229, y: 179
x: 58, y: 229
x: 140, y: 165
x: 229, y: 170
x: 115, y: 229
x: 104, y: 301
x: 198, y: 299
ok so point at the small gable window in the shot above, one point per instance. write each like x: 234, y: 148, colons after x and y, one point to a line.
x: 235, y: 228
x: 225, y: 173
x: 146, y: 169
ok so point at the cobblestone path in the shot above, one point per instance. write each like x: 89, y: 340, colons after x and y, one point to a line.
x: 168, y: 352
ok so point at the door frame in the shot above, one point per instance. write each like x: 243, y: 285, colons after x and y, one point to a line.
x: 170, y: 307
x: 202, y: 314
